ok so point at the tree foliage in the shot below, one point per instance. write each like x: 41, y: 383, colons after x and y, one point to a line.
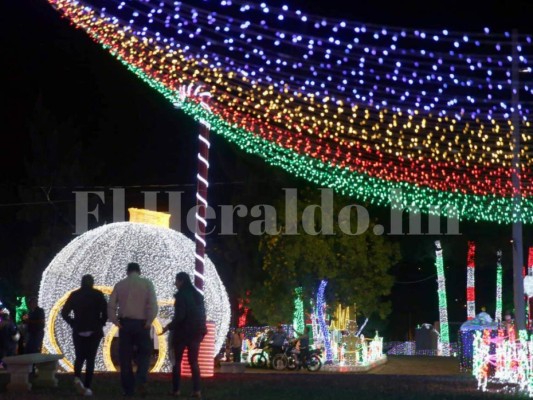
x: 356, y: 266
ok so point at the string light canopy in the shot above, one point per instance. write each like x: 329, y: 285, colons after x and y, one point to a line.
x: 104, y: 252
x: 357, y: 107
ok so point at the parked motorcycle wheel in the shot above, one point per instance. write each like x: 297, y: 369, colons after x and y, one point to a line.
x: 259, y: 361
x: 279, y: 362
x: 292, y: 363
x: 314, y: 364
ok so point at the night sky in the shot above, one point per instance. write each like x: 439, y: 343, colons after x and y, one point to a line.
x: 105, y: 128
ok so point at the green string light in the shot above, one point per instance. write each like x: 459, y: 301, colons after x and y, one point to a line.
x: 443, y: 304
x: 298, y: 320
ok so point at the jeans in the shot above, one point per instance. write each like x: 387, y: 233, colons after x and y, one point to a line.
x: 193, y: 349
x: 34, y: 343
x: 133, y: 333
x: 85, y: 349
x: 236, y: 354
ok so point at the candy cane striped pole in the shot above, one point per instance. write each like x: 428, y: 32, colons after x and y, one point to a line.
x: 202, y: 182
x: 201, y: 192
x: 470, y: 282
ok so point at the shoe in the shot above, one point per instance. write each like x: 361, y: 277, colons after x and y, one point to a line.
x: 78, y: 384
x: 88, y: 392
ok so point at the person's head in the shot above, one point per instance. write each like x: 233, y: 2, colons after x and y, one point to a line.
x: 238, y: 330
x: 280, y: 328
x: 32, y: 303
x: 87, y: 281
x: 508, y: 316
x: 183, y: 280
x: 133, y: 268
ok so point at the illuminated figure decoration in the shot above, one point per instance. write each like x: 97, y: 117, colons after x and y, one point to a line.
x: 21, y: 309
x: 352, y: 344
x: 104, y: 253
x: 361, y: 108
x: 503, y: 360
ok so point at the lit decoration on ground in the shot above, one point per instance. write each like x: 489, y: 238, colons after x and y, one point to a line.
x: 20, y: 309
x: 471, y: 281
x: 357, y: 107
x: 503, y: 359
x: 243, y: 310
x: 205, y: 357
x: 321, y: 315
x: 499, y: 284
x: 104, y: 253
x: 444, y: 339
x: 299, y: 317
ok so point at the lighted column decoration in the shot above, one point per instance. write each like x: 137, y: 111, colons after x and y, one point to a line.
x: 528, y: 295
x: 499, y: 282
x: 470, y: 282
x: 298, y: 320
x: 443, y: 306
x: 321, y: 307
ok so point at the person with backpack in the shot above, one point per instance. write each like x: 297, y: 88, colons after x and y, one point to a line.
x: 188, y: 329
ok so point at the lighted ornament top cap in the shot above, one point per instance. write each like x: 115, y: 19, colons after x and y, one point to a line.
x: 104, y: 252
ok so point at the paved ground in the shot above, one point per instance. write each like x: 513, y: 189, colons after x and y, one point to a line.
x: 402, y: 378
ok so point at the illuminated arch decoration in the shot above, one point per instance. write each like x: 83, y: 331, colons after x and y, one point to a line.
x: 104, y: 253
x: 361, y: 108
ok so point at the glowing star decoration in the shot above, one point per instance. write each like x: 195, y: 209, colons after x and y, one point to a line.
x: 361, y: 108
x: 470, y: 282
x: 444, y: 339
x: 299, y: 318
x: 499, y: 284
x: 104, y: 252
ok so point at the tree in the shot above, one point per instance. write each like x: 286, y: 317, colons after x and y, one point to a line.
x: 356, y: 266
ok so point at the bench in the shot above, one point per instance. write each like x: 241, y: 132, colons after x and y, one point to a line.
x: 232, y: 367
x: 19, y: 367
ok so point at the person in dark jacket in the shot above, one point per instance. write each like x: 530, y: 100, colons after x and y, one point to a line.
x: 34, y: 322
x: 188, y: 329
x: 90, y: 315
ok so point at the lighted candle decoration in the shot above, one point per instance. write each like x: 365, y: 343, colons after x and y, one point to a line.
x: 471, y: 282
x: 444, y: 340
x: 499, y: 283
x: 358, y: 107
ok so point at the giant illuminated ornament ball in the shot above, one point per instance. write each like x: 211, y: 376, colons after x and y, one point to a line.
x: 104, y: 252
